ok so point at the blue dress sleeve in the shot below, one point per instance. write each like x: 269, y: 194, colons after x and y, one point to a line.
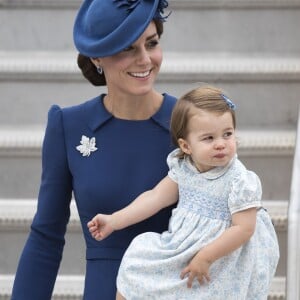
x: 41, y: 256
x: 246, y: 192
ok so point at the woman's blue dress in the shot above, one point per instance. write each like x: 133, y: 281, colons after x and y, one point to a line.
x: 130, y: 158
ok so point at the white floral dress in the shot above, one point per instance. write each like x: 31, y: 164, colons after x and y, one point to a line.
x: 151, y: 266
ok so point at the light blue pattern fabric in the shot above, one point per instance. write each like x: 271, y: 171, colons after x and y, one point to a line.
x: 151, y: 266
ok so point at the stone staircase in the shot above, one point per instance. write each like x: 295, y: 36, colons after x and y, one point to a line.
x: 249, y: 48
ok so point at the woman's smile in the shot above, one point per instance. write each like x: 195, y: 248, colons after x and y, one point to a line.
x: 140, y: 74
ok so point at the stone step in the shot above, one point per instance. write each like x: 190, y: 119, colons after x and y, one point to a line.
x: 173, y: 4
x: 267, y: 152
x: 16, y: 217
x: 216, y: 25
x: 256, y: 83
x: 70, y: 287
x: 16, y: 214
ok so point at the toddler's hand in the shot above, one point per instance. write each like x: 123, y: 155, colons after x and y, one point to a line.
x: 100, y: 226
x: 197, y: 268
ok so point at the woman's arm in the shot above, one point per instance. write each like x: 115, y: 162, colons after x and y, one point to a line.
x: 41, y: 256
x: 241, y: 230
x: 164, y: 194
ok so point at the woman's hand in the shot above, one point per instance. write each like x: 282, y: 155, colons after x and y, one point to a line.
x: 197, y: 268
x: 101, y: 226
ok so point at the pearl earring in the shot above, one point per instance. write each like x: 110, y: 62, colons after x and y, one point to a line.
x: 99, y: 70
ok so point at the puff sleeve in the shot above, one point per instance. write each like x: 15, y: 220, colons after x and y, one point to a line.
x: 173, y: 164
x: 42, y: 253
x: 245, y: 193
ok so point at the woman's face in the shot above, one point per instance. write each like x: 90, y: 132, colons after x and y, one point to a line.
x: 134, y: 70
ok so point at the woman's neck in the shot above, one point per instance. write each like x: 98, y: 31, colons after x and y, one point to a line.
x: 133, y: 108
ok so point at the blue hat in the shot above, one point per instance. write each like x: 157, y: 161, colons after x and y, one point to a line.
x: 106, y: 27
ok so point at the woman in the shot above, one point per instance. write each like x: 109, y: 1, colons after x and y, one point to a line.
x: 106, y: 150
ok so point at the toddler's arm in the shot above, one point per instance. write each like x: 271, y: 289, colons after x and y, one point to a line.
x: 144, y: 206
x: 241, y: 230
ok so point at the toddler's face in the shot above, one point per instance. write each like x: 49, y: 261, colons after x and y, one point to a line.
x: 211, y: 139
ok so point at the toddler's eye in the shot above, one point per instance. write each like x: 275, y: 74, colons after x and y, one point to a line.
x: 208, y: 138
x: 228, y: 134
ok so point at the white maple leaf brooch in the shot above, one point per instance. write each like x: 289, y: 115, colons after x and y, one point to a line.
x: 88, y: 145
